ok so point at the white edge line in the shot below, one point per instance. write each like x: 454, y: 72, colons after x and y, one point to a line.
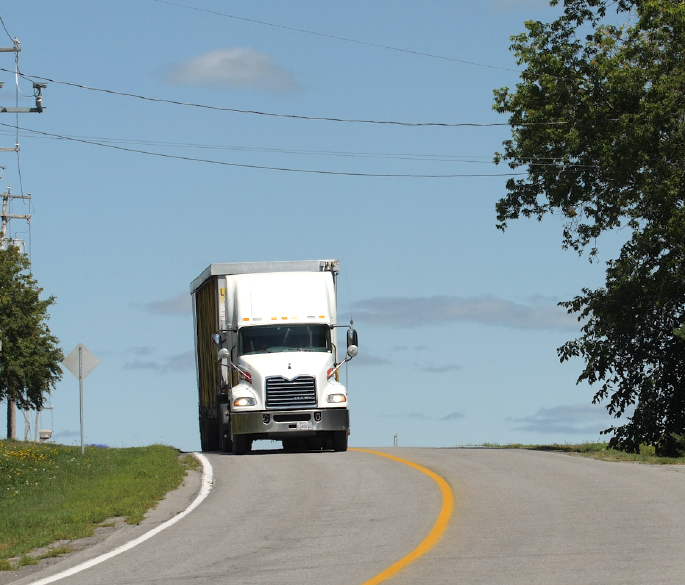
x: 207, y: 474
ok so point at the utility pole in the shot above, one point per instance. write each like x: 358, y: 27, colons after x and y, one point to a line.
x: 6, y: 215
x: 38, y: 94
x: 4, y: 242
x: 16, y: 146
x: 37, y: 89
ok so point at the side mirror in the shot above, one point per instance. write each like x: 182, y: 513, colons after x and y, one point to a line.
x: 224, y: 353
x: 352, y: 338
x: 352, y: 350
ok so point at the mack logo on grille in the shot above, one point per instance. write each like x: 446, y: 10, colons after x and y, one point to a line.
x: 284, y: 393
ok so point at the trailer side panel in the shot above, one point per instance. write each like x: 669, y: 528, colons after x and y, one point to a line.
x: 206, y: 325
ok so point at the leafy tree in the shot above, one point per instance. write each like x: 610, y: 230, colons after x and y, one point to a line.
x: 599, y: 121
x: 30, y: 357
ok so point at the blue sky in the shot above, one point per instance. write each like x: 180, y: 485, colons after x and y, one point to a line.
x: 457, y: 321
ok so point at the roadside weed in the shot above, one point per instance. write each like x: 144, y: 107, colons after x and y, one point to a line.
x: 596, y: 451
x: 51, y: 492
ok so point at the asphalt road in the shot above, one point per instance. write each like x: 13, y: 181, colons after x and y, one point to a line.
x: 520, y: 517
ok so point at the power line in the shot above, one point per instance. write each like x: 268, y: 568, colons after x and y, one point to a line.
x: 337, y: 38
x: 3, y: 26
x: 260, y: 167
x: 292, y: 116
x: 532, y: 161
x: 16, y: 144
x: 16, y: 103
x: 344, y: 154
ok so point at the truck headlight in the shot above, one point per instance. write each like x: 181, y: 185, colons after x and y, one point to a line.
x: 336, y: 398
x: 244, y: 402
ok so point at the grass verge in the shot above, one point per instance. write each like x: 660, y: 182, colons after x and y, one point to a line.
x: 597, y: 451
x: 50, y: 492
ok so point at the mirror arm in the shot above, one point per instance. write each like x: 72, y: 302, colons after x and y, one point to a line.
x: 236, y: 367
x: 226, y: 331
x: 347, y: 359
x: 230, y: 365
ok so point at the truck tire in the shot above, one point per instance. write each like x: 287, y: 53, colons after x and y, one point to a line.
x: 225, y: 443
x: 241, y: 445
x: 209, y: 434
x: 289, y: 445
x: 340, y: 441
x: 203, y: 434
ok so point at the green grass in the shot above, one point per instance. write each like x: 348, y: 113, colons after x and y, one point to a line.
x: 597, y: 451
x: 51, y: 492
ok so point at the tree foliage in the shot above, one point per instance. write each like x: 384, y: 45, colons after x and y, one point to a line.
x: 30, y: 357
x: 599, y: 121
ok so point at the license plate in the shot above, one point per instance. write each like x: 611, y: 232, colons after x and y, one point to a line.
x: 304, y: 425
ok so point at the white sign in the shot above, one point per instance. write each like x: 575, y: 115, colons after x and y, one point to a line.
x: 81, y: 362
x: 88, y: 362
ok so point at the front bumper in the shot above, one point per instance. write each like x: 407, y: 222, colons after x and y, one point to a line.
x: 284, y: 424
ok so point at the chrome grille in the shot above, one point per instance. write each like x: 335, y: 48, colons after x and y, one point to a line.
x: 299, y: 392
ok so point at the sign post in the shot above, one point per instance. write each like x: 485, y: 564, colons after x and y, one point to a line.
x: 81, y: 362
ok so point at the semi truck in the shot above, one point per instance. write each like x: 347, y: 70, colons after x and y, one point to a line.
x: 267, y: 356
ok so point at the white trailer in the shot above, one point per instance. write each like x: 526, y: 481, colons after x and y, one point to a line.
x: 267, y: 356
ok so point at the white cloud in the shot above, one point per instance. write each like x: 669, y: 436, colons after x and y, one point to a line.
x: 542, y: 300
x: 419, y: 416
x: 452, y: 416
x: 66, y: 434
x: 364, y: 358
x: 425, y: 417
x: 178, y: 305
x: 441, y: 369
x: 566, y: 419
x: 140, y: 350
x: 419, y: 311
x: 174, y: 363
x: 236, y: 68
x: 415, y: 348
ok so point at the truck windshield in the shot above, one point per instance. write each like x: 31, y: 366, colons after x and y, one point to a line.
x: 274, y: 338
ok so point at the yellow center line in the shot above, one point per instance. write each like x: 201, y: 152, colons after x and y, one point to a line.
x: 437, y: 530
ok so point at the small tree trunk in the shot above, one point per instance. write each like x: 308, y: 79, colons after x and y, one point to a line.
x: 11, y: 418
x: 27, y: 425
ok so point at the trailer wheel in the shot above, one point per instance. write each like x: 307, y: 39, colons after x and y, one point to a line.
x: 340, y: 441
x: 225, y: 443
x: 209, y: 435
x: 241, y: 444
x: 204, y: 442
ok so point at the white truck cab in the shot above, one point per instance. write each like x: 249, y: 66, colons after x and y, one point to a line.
x: 267, y: 356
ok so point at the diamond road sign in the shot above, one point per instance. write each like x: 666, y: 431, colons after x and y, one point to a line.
x: 88, y: 361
